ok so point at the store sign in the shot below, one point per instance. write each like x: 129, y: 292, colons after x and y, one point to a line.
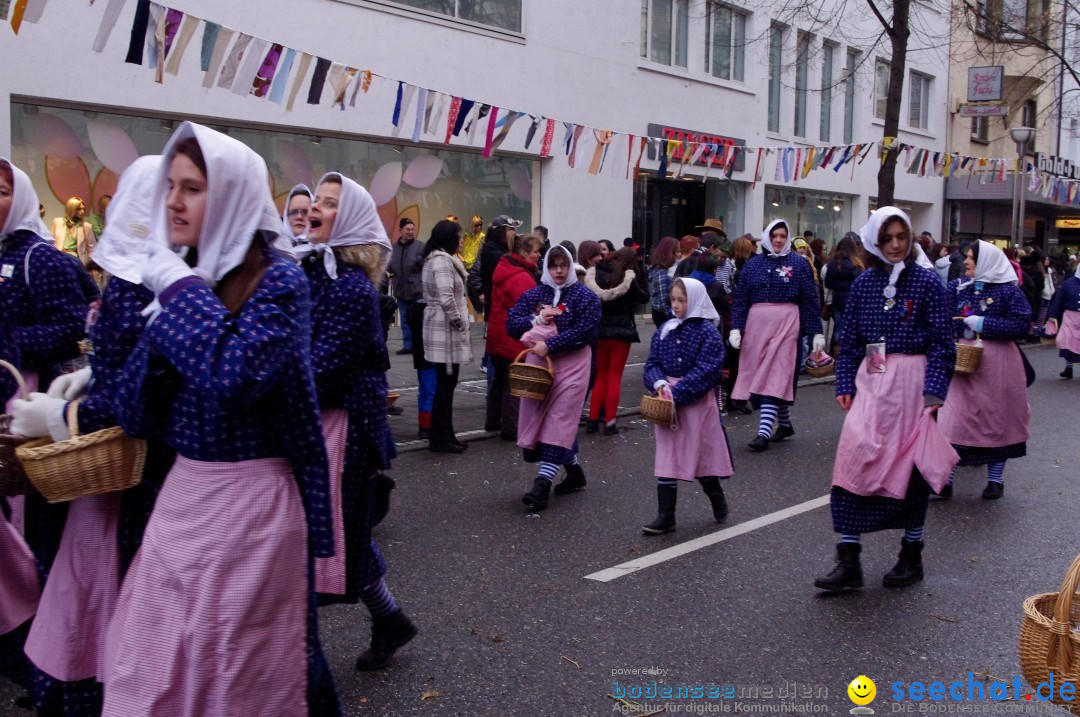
x: 984, y: 111
x: 1056, y: 165
x: 723, y: 143
x: 984, y: 83
x: 1067, y: 223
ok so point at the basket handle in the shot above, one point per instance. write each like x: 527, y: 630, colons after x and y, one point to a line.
x: 18, y: 379
x: 73, y: 417
x: 1059, y: 656
x: 551, y: 367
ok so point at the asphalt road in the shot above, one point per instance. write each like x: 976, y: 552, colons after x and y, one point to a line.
x: 511, y: 625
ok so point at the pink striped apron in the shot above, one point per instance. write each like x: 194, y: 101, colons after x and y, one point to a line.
x: 18, y: 503
x: 769, y: 351
x: 19, y: 585
x: 330, y: 572
x: 988, y: 408
x: 554, y: 420
x: 698, y: 447
x: 211, y: 617
x: 1068, y: 336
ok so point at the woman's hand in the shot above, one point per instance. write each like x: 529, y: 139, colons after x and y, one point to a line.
x: 844, y: 402
x: 540, y: 348
x: 1050, y: 324
x: 665, y: 392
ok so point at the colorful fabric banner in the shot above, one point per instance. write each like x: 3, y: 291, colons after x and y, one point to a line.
x: 138, y: 31
x: 451, y: 119
x: 298, y: 82
x: 261, y: 85
x: 549, y: 136
x: 421, y: 111
x: 281, y: 77
x: 222, y: 40
x: 490, y: 137
x: 249, y: 66
x: 180, y: 44
x: 318, y: 81
x: 105, y: 27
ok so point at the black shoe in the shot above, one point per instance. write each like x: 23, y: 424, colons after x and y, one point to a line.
x: 395, y: 411
x: 573, y: 482
x: 402, y: 352
x: 592, y: 426
x: 461, y: 444
x: 1067, y: 373
x: 908, y: 569
x: 512, y: 437
x: 759, y: 444
x: 946, y: 492
x: 425, y: 434
x: 492, y: 427
x: 847, y: 573
x: 715, y: 492
x: 666, y: 497
x: 611, y: 429
x: 537, y: 498
x: 782, y: 433
x: 742, y: 407
x: 993, y: 491
x: 445, y: 448
x: 388, y: 634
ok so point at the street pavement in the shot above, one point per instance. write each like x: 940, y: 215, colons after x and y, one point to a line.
x: 511, y: 624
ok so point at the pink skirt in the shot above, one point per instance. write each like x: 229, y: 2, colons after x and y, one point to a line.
x: 769, y: 352
x: 67, y: 639
x: 330, y: 572
x: 887, y: 433
x: 19, y: 585
x: 988, y: 408
x: 1068, y: 337
x: 554, y: 420
x: 698, y: 447
x: 212, y: 614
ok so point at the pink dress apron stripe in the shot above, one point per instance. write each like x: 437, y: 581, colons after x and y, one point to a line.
x: 211, y: 617
x: 17, y: 503
x: 768, y: 354
x: 698, y: 447
x: 67, y: 639
x: 888, y: 432
x: 330, y: 572
x: 1068, y: 336
x: 988, y: 408
x: 554, y: 420
x: 19, y: 586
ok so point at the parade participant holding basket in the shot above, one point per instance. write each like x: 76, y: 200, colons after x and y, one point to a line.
x: 685, y: 366
x: 986, y: 415
x: 892, y: 375
x: 1064, y: 321
x: 775, y: 302
x: 350, y: 360
x: 558, y: 320
x: 223, y: 374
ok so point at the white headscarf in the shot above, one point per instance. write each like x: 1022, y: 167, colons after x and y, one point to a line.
x: 545, y: 276
x: 992, y: 267
x: 766, y: 243
x: 869, y: 235
x: 287, y: 232
x: 24, y: 205
x: 238, y: 202
x: 698, y: 305
x: 126, y: 238
x: 922, y: 259
x: 357, y: 222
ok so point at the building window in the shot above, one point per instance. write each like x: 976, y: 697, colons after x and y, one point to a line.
x: 802, y: 76
x: 827, y: 51
x: 776, y: 41
x: 849, y: 95
x: 919, y: 101
x: 502, y: 14
x: 980, y: 129
x: 1013, y: 19
x: 881, y: 88
x: 664, y: 30
x: 725, y: 42
x: 1030, y: 114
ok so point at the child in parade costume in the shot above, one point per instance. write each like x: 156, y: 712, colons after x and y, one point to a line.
x: 560, y: 317
x: 896, y: 358
x: 986, y: 415
x: 685, y: 365
x: 1064, y: 321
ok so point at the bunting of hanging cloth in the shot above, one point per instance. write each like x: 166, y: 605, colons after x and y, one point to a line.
x: 603, y: 140
x: 421, y: 112
x: 180, y: 44
x: 451, y: 118
x: 105, y: 27
x: 298, y: 81
x: 511, y: 118
x: 489, y: 137
x: 281, y: 77
x: 549, y: 136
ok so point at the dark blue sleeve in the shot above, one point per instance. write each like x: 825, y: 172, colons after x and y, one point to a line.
x: 654, y: 369
x: 941, y: 350
x: 347, y: 337
x: 59, y: 310
x: 740, y: 307
x: 520, y: 318
x: 580, y: 328
x: 809, y: 304
x: 1064, y: 298
x: 852, y: 342
x: 7, y: 353
x: 707, y: 366
x: 1010, y: 322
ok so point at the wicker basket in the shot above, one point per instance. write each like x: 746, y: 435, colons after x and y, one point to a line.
x: 530, y: 381
x: 1048, y: 340
x: 660, y: 411
x: 819, y: 367
x: 392, y: 398
x: 968, y: 357
x: 99, y: 462
x: 12, y: 477
x: 1049, y: 645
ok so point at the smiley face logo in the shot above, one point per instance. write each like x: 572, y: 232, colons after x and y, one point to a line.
x: 862, y: 690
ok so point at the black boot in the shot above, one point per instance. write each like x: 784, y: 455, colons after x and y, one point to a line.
x: 782, y: 433
x: 993, y: 490
x: 666, y: 497
x: 759, y: 444
x: 1067, y: 373
x: 908, y: 569
x: 388, y: 634
x: 592, y: 426
x: 847, y: 574
x: 573, y: 482
x: 711, y: 486
x: 537, y: 498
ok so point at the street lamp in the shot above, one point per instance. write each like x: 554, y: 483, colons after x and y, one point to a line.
x: 1020, y: 135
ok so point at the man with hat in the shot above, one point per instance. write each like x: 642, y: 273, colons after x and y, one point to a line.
x: 711, y: 225
x: 719, y: 246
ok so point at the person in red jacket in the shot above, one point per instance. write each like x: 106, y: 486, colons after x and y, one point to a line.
x: 515, y: 274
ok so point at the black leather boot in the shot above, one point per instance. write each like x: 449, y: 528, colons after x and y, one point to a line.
x: 573, y: 482
x: 908, y: 569
x: 666, y: 497
x: 537, y: 498
x: 847, y: 573
x: 713, y: 489
x: 388, y: 634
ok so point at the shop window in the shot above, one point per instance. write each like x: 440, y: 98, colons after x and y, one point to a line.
x: 665, y: 31
x: 802, y: 76
x: 501, y: 14
x: 980, y: 129
x: 849, y: 95
x: 776, y: 42
x: 881, y: 87
x: 725, y: 42
x: 919, y: 101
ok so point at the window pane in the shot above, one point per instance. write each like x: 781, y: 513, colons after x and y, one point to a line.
x: 682, y: 25
x: 881, y: 88
x: 802, y: 71
x: 915, y: 104
x: 708, y: 39
x: 497, y: 13
x: 826, y: 92
x: 849, y: 98
x: 660, y: 35
x: 721, y: 44
x: 739, y: 46
x: 443, y: 7
x: 644, y: 28
x: 775, y: 39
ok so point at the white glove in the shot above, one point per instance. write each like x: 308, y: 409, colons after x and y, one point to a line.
x: 163, y: 268
x: 735, y: 339
x: 975, y: 323
x: 818, y: 344
x: 40, y: 416
x: 70, y: 386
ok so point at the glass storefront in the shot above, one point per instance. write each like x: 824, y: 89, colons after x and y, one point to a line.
x: 827, y: 215
x: 673, y: 207
x: 77, y: 152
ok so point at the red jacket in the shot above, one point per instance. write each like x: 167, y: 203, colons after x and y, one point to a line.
x: 513, y: 277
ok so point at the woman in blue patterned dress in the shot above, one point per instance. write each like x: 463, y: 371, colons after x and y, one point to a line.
x: 222, y: 374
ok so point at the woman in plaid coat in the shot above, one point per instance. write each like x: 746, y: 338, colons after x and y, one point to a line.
x: 446, y: 328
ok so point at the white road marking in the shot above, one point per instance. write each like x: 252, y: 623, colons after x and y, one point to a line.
x: 675, y: 551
